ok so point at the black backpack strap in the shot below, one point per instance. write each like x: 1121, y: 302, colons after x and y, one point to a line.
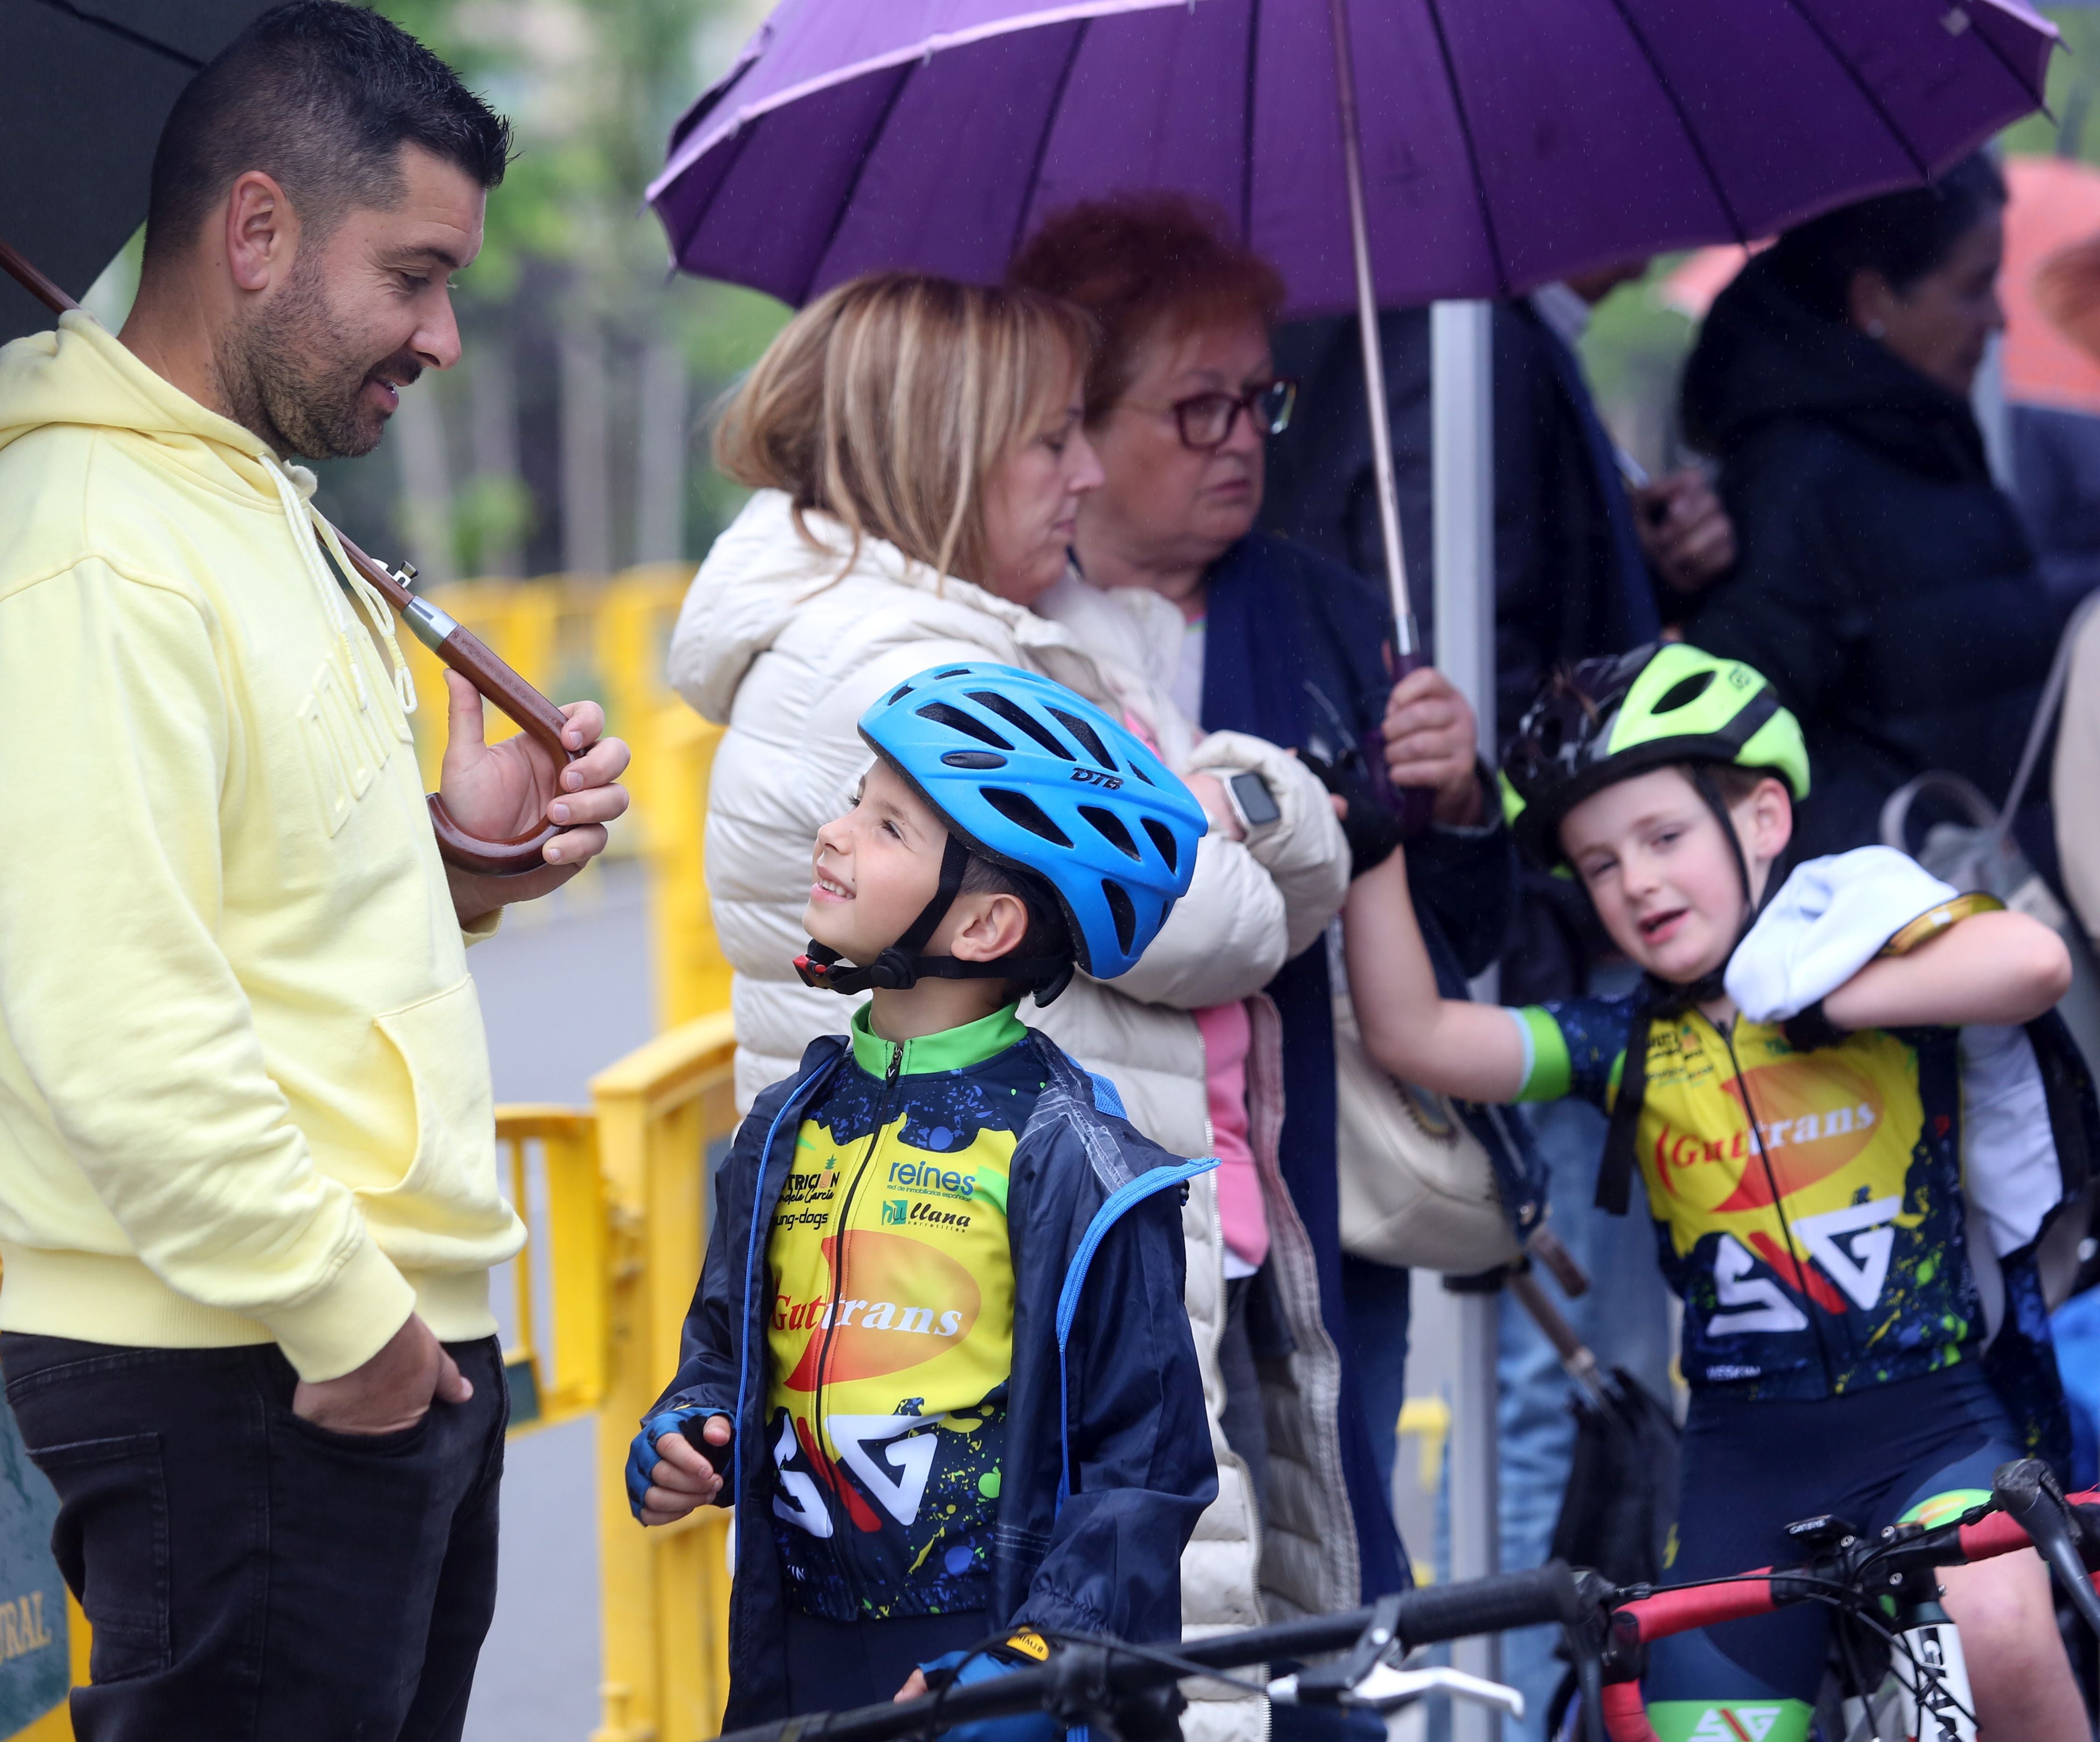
x: 1615, y: 1175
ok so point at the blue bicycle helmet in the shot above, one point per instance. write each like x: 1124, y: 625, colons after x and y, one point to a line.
x: 1038, y: 781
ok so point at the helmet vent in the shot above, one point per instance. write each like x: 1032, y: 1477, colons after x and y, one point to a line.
x: 974, y: 759
x: 1088, y: 736
x: 1109, y: 827
x: 953, y: 671
x: 1023, y: 812
x: 1163, y: 837
x: 1122, y: 912
x: 1018, y: 718
x: 898, y: 693
x: 1682, y: 694
x: 942, y: 714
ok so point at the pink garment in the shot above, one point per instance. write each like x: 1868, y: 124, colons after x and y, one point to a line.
x: 1228, y: 1035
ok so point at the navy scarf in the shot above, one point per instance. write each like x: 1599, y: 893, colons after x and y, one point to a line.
x: 1278, y: 618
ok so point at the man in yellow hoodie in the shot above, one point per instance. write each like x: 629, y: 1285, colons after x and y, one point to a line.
x: 247, y: 1191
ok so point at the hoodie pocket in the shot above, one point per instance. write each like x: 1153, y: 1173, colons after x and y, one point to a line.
x: 450, y: 1185
x: 346, y: 748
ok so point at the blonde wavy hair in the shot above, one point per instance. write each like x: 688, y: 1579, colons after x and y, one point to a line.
x: 887, y: 402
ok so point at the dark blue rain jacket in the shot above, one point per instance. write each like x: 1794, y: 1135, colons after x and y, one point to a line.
x: 1281, y: 623
x: 1107, y: 1461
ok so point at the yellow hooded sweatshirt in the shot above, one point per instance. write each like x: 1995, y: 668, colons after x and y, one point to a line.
x: 244, y: 1086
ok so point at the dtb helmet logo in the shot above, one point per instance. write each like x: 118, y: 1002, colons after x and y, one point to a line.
x: 1094, y: 776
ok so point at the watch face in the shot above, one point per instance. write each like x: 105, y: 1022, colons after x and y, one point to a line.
x: 1257, y: 804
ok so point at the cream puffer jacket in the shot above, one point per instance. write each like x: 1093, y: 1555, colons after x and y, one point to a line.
x: 786, y: 640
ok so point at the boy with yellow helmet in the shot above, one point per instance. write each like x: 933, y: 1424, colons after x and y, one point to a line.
x: 1789, y: 1081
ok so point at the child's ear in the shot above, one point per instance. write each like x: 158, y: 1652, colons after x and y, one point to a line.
x: 1770, y: 817
x: 994, y: 928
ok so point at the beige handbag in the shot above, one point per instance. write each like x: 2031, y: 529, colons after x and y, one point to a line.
x: 1417, y: 1187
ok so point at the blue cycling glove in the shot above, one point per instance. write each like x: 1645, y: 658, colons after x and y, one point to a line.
x: 963, y: 1669
x: 642, y: 1456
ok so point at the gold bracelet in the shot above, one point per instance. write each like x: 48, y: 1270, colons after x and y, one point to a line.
x: 1933, y: 922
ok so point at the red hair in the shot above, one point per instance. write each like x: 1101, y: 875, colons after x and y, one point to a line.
x: 1143, y: 265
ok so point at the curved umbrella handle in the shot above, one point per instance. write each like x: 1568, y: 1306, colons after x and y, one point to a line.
x: 472, y: 658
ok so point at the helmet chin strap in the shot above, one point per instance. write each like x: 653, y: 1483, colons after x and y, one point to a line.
x: 901, y: 965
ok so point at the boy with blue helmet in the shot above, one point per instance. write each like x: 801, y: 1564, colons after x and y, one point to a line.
x: 939, y: 1353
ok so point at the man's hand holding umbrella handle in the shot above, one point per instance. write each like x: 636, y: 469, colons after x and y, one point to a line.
x: 500, y: 790
x: 391, y: 1391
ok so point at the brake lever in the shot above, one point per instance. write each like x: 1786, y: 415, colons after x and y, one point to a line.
x: 2030, y: 1497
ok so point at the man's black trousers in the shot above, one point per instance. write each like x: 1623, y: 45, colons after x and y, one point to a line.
x: 251, y: 1577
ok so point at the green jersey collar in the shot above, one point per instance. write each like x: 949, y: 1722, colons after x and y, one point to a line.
x: 951, y: 1049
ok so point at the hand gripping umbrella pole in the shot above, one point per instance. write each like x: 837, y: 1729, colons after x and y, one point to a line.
x: 1411, y: 804
x: 458, y: 647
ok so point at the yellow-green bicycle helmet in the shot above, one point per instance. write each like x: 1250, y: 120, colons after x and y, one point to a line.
x: 1611, y: 719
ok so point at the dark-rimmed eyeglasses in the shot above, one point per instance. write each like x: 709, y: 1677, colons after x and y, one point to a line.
x: 1205, y: 421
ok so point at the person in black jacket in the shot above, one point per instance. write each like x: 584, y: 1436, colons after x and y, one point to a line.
x: 1584, y: 565
x: 1885, y: 585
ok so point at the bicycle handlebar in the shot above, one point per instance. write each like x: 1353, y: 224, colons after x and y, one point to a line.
x: 1087, y: 1675
x: 1099, y: 1673
x: 1641, y: 1621
x: 1764, y: 1589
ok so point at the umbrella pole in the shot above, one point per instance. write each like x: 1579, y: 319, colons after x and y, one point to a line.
x: 34, y: 282
x: 1407, y: 647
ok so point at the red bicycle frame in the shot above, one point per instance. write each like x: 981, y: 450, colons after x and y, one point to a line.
x: 1644, y: 1620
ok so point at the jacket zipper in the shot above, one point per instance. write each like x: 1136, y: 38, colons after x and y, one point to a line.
x: 1801, y: 1261
x: 842, y: 1518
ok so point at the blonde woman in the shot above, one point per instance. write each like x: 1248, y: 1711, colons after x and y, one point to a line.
x: 918, y: 451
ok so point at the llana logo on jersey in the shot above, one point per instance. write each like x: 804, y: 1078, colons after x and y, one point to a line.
x: 894, y: 1302
x: 1815, y: 1117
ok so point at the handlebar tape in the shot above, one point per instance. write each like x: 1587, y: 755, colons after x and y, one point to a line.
x: 1673, y: 1612
x: 2001, y: 1534
x: 1626, y: 1716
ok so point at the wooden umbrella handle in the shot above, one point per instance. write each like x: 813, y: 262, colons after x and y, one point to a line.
x: 474, y: 660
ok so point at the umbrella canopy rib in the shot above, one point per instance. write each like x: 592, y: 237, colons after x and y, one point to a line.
x: 2039, y: 97
x: 1502, y: 287
x: 1868, y: 94
x: 137, y: 39
x: 1027, y: 206
x: 1675, y: 98
x: 867, y: 152
x: 736, y: 150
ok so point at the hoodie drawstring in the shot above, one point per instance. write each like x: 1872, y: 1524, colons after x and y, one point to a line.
x: 308, y: 529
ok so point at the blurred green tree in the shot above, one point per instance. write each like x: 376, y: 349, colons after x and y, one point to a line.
x: 567, y: 438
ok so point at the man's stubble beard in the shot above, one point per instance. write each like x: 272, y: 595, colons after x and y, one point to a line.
x: 295, y: 374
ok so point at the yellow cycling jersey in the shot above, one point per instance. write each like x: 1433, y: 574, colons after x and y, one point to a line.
x: 891, y: 1336
x: 1807, y: 1205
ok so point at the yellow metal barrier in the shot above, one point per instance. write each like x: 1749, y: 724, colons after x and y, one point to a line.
x: 572, y: 1239
x: 664, y: 1592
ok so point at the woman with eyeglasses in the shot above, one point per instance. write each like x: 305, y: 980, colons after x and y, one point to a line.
x: 1251, y: 632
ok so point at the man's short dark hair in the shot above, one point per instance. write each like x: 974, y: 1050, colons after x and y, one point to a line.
x: 320, y: 96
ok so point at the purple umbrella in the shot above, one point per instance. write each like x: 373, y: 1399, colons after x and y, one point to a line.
x: 1503, y: 143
